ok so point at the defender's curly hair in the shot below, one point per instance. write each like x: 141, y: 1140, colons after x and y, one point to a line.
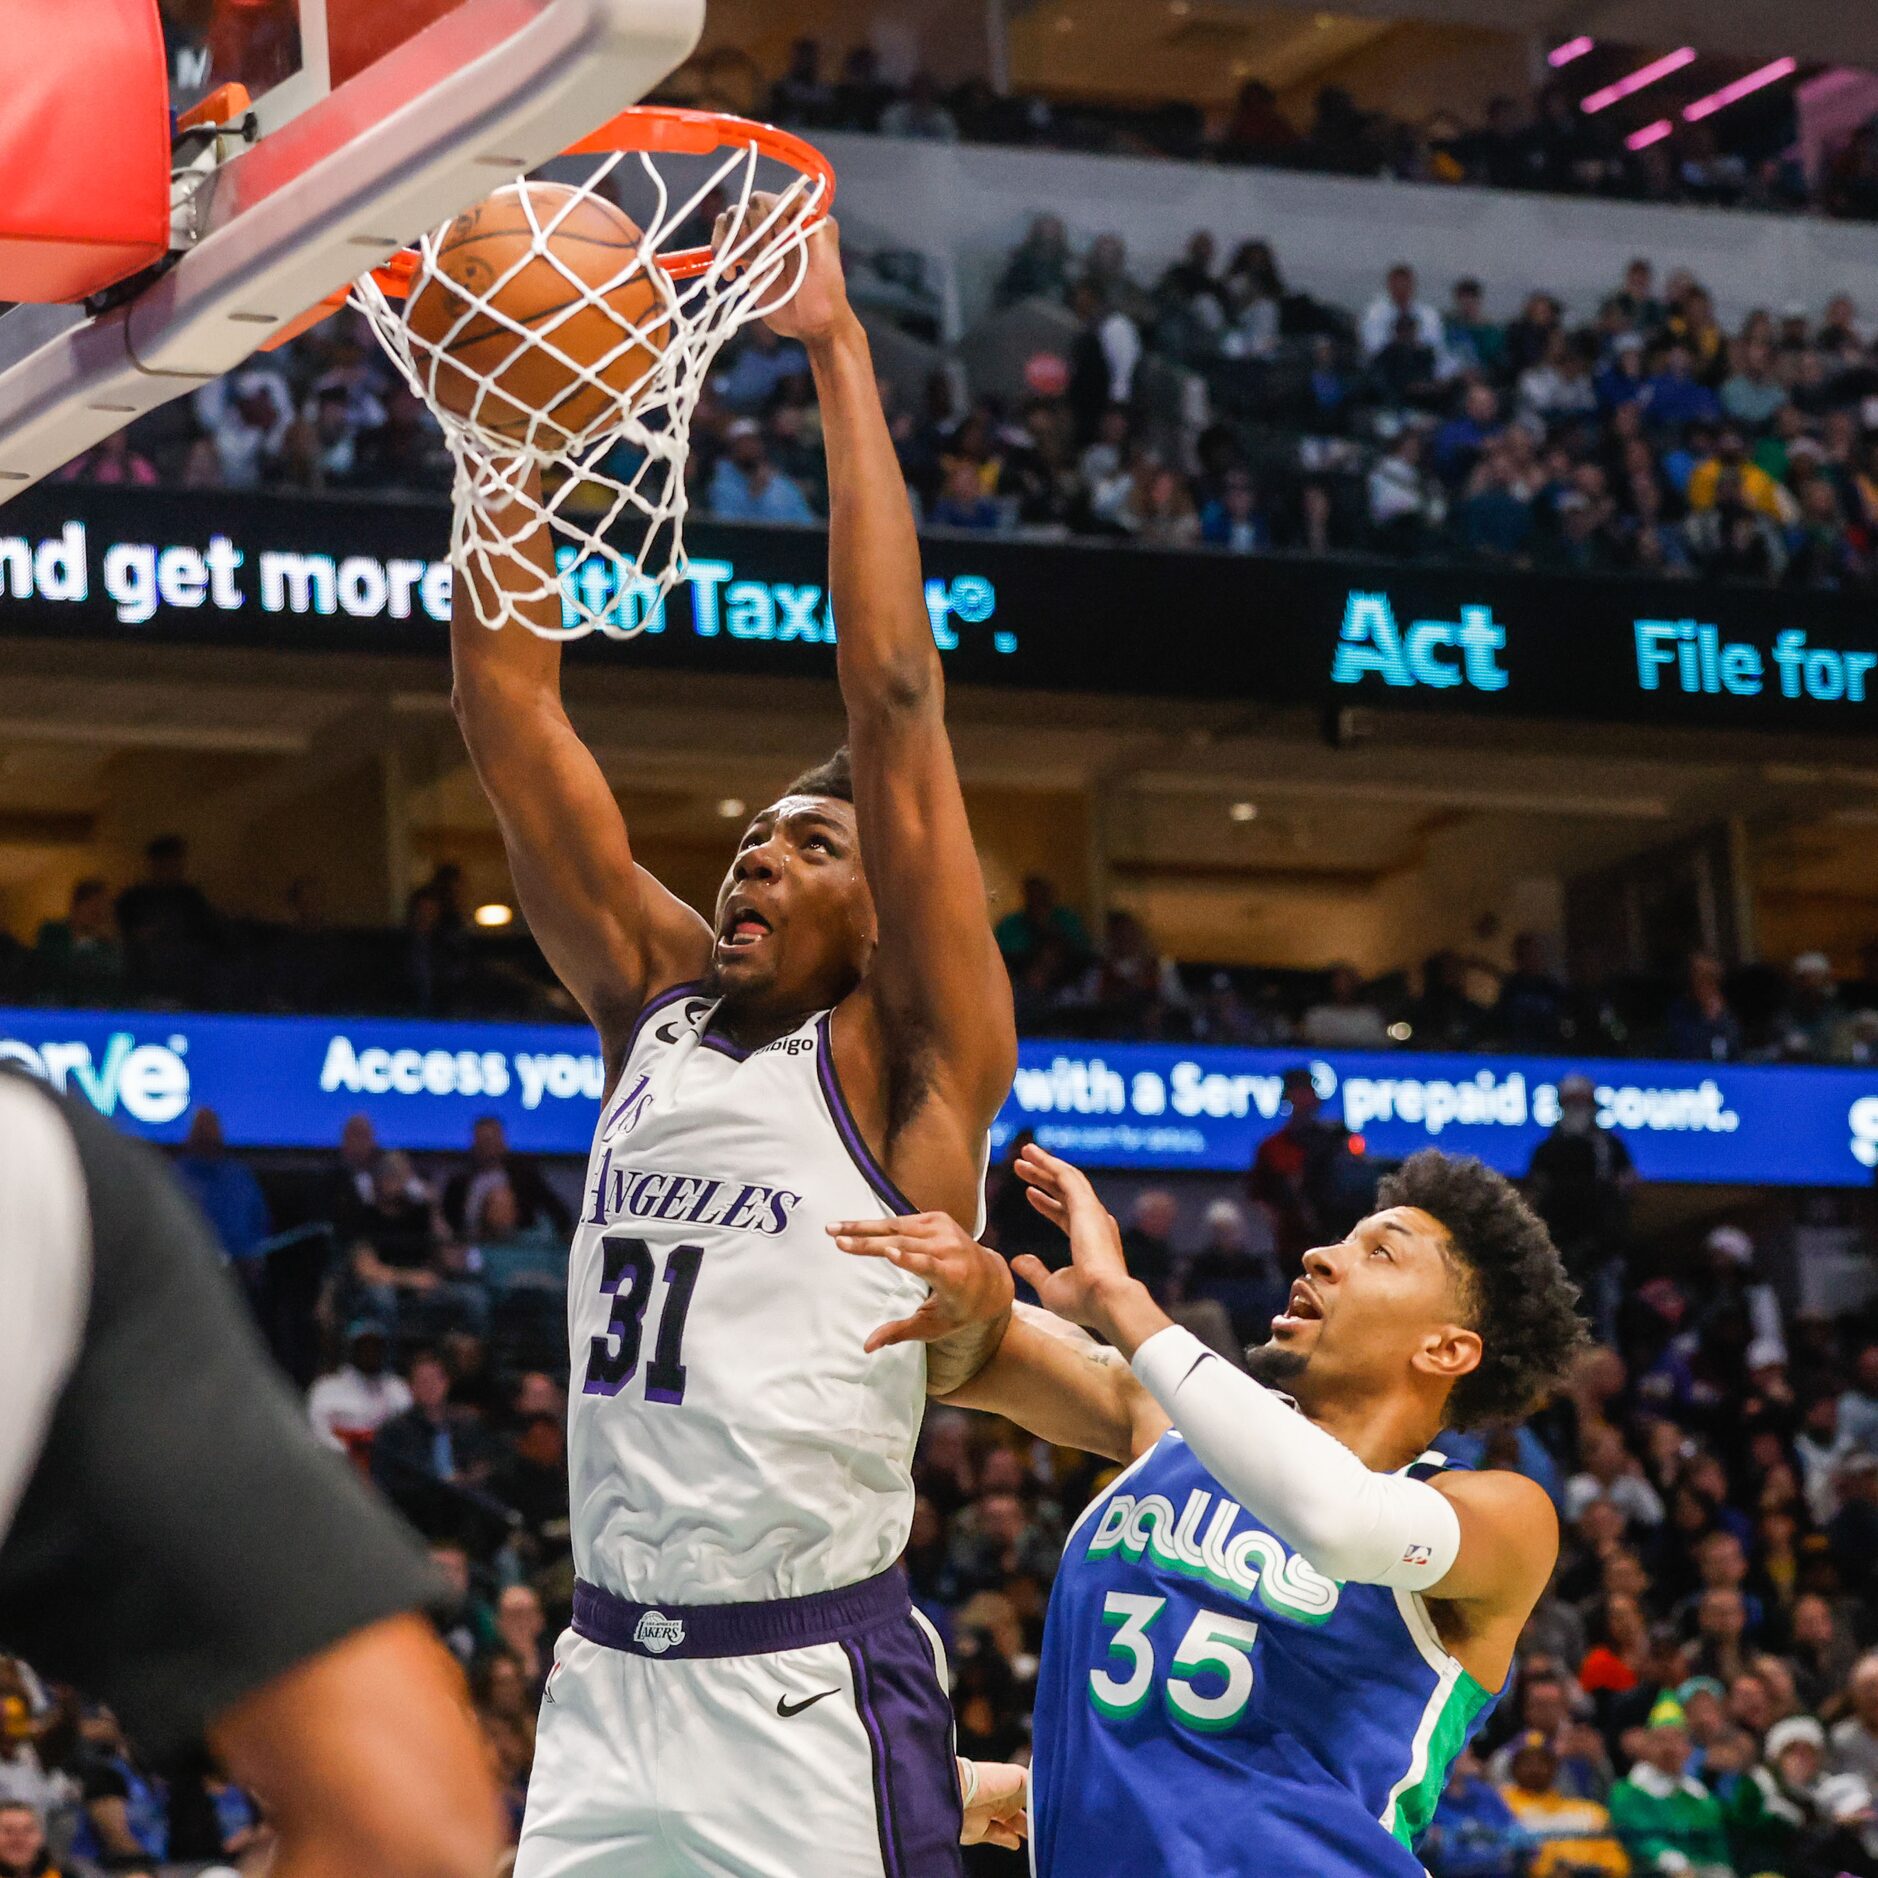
x: 1522, y: 1303
x: 834, y: 778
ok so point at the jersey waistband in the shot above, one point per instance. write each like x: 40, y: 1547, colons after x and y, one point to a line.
x: 754, y: 1629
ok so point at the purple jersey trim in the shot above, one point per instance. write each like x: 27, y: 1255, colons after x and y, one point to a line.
x: 858, y: 1151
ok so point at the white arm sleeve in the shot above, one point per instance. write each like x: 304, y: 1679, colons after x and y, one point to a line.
x: 45, y: 1277
x: 1353, y: 1525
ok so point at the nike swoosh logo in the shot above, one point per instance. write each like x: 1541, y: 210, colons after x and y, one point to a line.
x: 785, y: 1708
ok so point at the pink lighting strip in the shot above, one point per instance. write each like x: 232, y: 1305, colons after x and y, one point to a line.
x: 1637, y: 80
x: 1571, y: 49
x: 1741, y: 88
x: 1649, y: 134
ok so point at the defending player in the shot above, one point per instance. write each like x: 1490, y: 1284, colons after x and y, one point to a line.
x: 746, y: 1689
x: 1274, y: 1630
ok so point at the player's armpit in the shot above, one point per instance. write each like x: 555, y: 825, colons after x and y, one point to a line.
x: 1509, y: 1541
x: 1059, y: 1384
x: 367, y: 1760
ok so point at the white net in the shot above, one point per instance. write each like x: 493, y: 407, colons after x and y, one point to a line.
x: 570, y: 425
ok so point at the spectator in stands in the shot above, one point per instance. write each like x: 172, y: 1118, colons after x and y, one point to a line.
x: 1793, y: 1816
x: 112, y: 463
x: 1396, y: 303
x: 245, y: 421
x: 491, y: 1164
x: 1041, y: 916
x: 124, y: 1823
x: 1699, y: 1023
x: 1473, y: 1833
x: 1494, y: 518
x: 1667, y: 1821
x: 1258, y: 130
x: 747, y: 487
x: 1299, y: 1172
x: 225, y: 1189
x: 1858, y: 1406
x: 802, y: 96
x: 1531, y: 1011
x: 1148, y: 1239
x: 1132, y: 986
x: 1039, y: 267
x: 79, y: 959
x: 1233, y: 519
x: 764, y: 363
x: 324, y: 446
x: 962, y: 501
x: 1567, y: 1835
x: 1234, y: 1268
x: 1104, y: 358
x: 1580, y: 1182
x: 1730, y: 464
x: 861, y: 94
x: 921, y: 114
x: 402, y: 1265
x: 1406, y: 505
x: 1674, y: 397
x: 1446, y: 1016
x: 349, y: 1406
x: 168, y: 926
x: 1473, y: 341
x: 23, y: 1852
x: 1812, y: 1026
x: 1855, y: 1739
x: 431, y: 1459
x: 1344, y: 1019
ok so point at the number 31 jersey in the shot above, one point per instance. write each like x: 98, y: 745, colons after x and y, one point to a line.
x: 728, y: 1437
x: 1209, y: 1706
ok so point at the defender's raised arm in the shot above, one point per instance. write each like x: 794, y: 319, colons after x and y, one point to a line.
x: 612, y: 933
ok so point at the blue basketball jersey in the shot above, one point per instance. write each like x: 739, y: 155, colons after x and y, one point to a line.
x: 1208, y: 1705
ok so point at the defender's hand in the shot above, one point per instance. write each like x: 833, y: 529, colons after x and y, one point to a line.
x: 996, y: 1813
x: 969, y: 1284
x: 820, y: 303
x: 1063, y: 1195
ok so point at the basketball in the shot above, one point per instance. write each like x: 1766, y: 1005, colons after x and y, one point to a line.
x: 559, y: 263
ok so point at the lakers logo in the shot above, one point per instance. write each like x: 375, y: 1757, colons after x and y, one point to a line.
x: 658, y: 1633
x: 627, y: 1113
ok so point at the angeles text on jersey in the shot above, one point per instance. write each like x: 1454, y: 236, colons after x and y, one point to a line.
x: 687, y: 1199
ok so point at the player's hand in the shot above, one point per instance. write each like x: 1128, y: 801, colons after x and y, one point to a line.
x: 1063, y: 1195
x: 820, y: 304
x: 997, y: 1814
x: 969, y: 1284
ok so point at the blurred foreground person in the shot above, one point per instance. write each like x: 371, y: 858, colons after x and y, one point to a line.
x: 175, y: 1543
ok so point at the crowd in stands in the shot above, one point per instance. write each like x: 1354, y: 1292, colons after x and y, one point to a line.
x: 1541, y: 142
x: 1634, y: 436
x: 160, y: 944
x: 1697, y: 1693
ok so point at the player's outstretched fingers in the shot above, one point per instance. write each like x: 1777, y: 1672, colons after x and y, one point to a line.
x: 1032, y: 1270
x: 908, y: 1242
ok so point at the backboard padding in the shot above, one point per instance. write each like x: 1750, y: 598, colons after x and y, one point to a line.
x: 486, y: 90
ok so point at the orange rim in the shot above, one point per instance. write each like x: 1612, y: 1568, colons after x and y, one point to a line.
x: 668, y: 128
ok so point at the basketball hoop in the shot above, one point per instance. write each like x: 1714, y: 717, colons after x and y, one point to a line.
x: 609, y: 488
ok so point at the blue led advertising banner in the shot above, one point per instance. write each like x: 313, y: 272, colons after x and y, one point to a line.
x: 290, y: 1082
x: 216, y: 567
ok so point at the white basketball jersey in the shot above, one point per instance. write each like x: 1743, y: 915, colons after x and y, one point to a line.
x: 728, y: 1437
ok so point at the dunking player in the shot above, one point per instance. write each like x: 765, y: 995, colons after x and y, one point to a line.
x: 1273, y: 1631
x: 746, y: 1689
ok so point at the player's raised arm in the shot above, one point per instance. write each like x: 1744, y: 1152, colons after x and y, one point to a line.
x: 937, y: 986
x: 612, y: 933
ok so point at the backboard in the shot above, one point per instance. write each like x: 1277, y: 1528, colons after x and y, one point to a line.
x: 372, y: 121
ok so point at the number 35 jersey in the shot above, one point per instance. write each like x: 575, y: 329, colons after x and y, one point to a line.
x: 728, y: 1437
x: 1208, y: 1705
